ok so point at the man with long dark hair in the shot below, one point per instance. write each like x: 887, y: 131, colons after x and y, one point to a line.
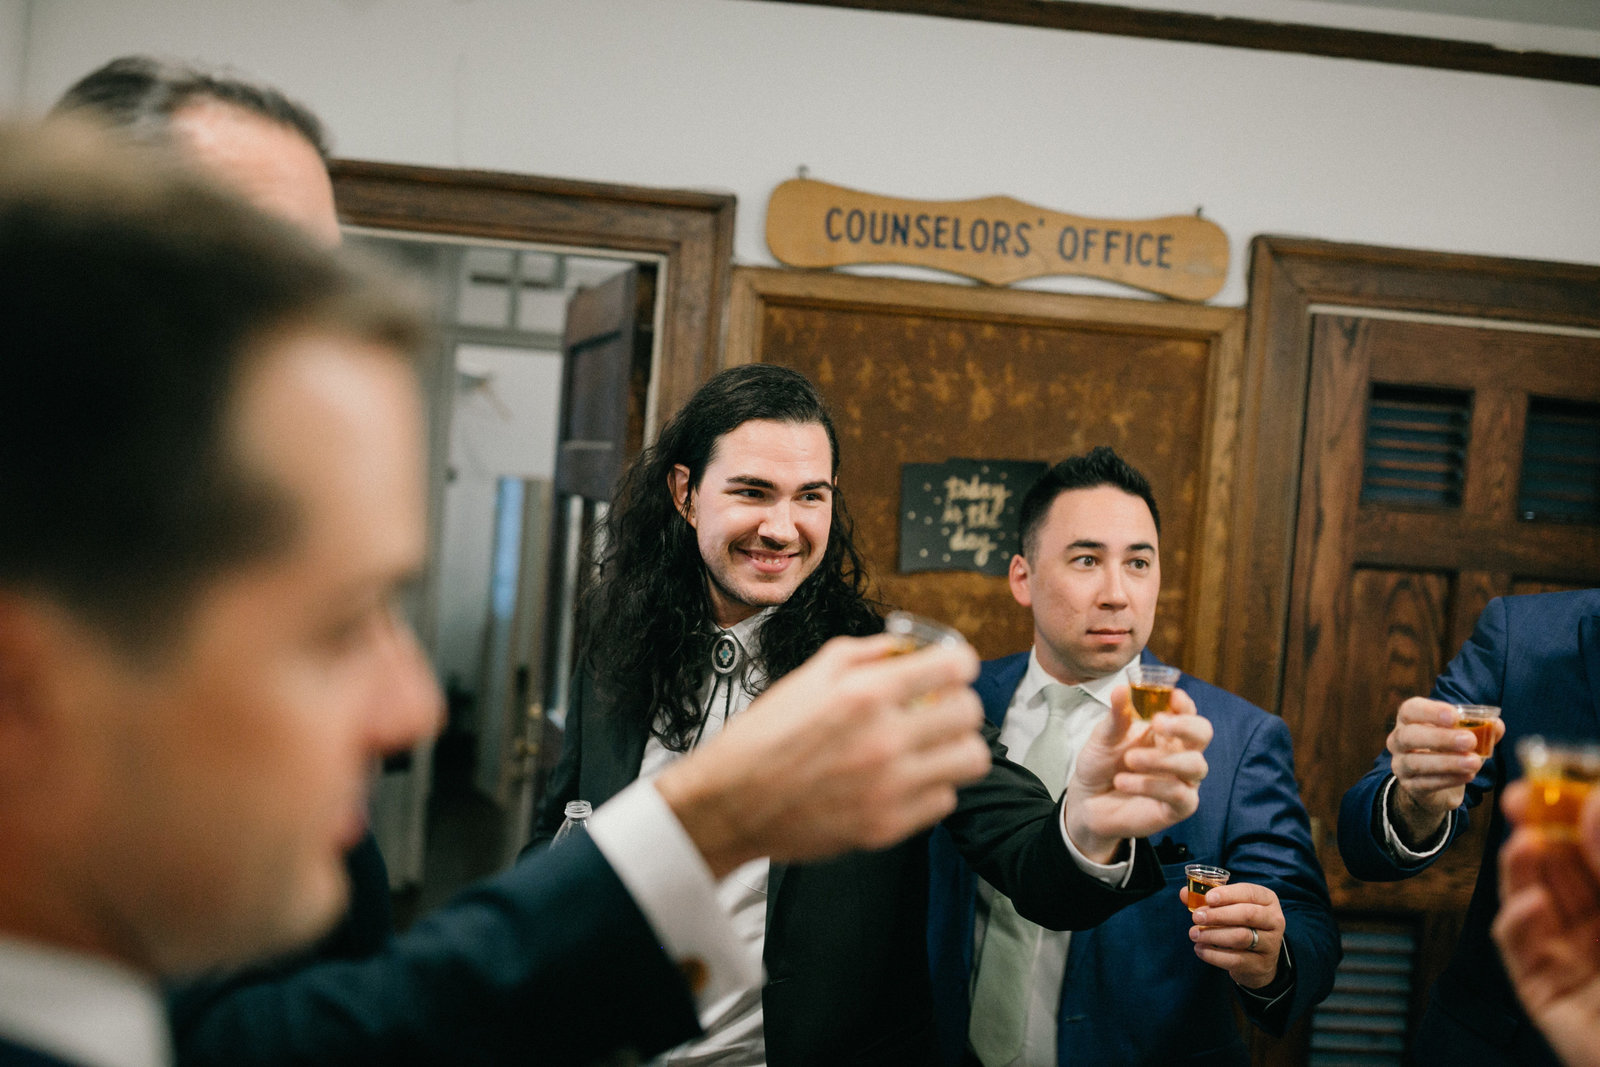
x: 727, y: 559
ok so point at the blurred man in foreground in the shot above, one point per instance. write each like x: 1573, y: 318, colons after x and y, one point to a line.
x: 209, y: 461
x: 212, y: 469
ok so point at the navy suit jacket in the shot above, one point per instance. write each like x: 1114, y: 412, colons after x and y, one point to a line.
x: 550, y: 962
x: 1134, y: 990
x: 1538, y: 658
x: 847, y: 978
x: 13, y: 1054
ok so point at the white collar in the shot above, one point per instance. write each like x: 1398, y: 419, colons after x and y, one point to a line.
x: 748, y: 631
x: 1098, y: 689
x: 81, y: 1008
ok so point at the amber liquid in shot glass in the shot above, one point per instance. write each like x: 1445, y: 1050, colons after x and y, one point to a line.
x: 1150, y: 688
x: 913, y: 632
x: 1201, y: 880
x: 1479, y: 721
x: 1555, y: 802
x: 1560, y: 778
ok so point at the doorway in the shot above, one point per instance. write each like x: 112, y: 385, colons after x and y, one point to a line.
x: 503, y: 255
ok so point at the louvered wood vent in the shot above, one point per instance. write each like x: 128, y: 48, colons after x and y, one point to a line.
x: 1416, y: 446
x: 1363, y: 1021
x: 1561, y: 462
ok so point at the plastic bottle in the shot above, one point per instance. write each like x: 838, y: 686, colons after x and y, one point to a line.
x: 576, y: 823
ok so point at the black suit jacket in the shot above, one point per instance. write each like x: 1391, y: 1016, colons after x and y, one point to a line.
x: 846, y: 959
x: 13, y: 1054
x: 1538, y: 658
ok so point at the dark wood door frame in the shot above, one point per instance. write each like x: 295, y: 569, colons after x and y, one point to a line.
x: 1233, y: 32
x: 691, y: 231
x: 1288, y: 277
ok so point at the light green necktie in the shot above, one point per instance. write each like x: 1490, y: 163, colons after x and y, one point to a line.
x: 1000, y: 994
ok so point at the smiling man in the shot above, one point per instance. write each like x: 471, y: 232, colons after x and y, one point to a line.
x: 729, y: 560
x: 1153, y: 984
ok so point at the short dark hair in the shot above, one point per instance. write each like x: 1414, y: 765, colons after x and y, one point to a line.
x: 134, y: 297
x: 645, y: 618
x: 140, y: 94
x: 1097, y: 467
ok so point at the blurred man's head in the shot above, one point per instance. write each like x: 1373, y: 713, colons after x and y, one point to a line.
x: 1090, y: 566
x: 252, y: 138
x: 211, y: 460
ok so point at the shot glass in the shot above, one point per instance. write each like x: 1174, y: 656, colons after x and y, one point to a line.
x: 1560, y: 777
x: 913, y: 632
x: 1202, y: 878
x: 1151, y: 688
x: 1479, y: 718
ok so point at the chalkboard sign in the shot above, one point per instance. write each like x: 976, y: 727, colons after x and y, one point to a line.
x: 961, y: 515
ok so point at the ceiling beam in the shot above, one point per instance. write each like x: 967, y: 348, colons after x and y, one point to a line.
x: 1231, y: 32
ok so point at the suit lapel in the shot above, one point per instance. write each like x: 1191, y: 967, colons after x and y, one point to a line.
x: 613, y: 751
x: 775, y: 873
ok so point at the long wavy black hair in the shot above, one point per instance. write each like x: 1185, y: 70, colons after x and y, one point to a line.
x: 645, y: 635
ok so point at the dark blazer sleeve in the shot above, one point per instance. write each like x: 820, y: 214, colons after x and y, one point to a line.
x: 1009, y: 829
x: 550, y: 962
x: 1269, y: 843
x: 1476, y: 676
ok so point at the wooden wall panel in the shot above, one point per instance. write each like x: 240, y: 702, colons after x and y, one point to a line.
x: 919, y: 373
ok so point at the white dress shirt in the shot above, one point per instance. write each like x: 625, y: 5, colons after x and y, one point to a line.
x: 1026, y: 716
x: 80, y: 1008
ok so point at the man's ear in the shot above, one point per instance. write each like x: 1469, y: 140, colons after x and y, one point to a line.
x: 26, y: 655
x: 678, y: 486
x: 1018, y: 577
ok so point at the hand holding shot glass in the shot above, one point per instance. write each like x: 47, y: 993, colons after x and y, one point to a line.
x: 1435, y: 749
x: 1237, y: 926
x: 1548, y: 925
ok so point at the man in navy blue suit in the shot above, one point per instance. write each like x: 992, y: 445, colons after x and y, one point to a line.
x: 1537, y: 658
x: 1152, y: 983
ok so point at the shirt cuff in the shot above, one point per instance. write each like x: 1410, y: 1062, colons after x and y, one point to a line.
x: 1407, y: 857
x: 1281, y: 985
x: 658, y: 863
x: 1113, y: 874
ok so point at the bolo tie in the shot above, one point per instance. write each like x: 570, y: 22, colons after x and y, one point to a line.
x: 726, y: 656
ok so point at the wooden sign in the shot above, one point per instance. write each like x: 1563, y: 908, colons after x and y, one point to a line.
x: 961, y: 515
x: 997, y: 239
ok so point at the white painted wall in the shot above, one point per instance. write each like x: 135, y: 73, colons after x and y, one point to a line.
x: 734, y: 95
x: 13, y: 51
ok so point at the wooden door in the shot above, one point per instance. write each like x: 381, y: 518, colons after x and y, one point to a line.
x: 1446, y: 459
x: 605, y: 386
x: 921, y: 373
